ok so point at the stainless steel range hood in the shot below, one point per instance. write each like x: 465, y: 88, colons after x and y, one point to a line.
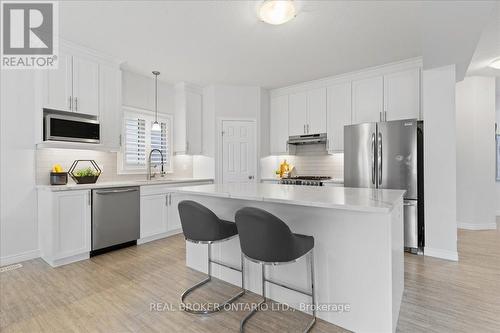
x: 307, y: 139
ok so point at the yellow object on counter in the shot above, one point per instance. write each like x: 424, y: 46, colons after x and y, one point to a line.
x: 284, y: 169
x: 57, y: 168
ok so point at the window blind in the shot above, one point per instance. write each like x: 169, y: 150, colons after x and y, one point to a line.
x: 159, y: 141
x: 135, y: 142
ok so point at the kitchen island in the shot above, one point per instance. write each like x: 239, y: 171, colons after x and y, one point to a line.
x: 358, y: 251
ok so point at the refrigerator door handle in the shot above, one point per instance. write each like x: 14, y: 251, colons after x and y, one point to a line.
x: 379, y: 158
x: 373, y: 158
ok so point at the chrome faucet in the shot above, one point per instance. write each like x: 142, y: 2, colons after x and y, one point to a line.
x: 149, y: 175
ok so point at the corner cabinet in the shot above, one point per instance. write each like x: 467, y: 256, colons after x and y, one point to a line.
x: 188, y: 119
x: 64, y: 219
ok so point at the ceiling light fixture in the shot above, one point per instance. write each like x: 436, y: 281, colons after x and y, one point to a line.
x: 156, y: 126
x: 495, y: 64
x: 277, y: 11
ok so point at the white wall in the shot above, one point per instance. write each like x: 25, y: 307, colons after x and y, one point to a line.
x: 440, y: 162
x: 233, y: 102
x: 138, y: 91
x: 476, y: 188
x: 18, y: 205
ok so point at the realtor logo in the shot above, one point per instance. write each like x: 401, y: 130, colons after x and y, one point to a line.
x: 29, y: 31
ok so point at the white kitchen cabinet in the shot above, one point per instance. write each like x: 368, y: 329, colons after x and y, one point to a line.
x: 338, y: 115
x: 85, y: 86
x: 297, y: 114
x: 367, y: 100
x: 279, y: 125
x: 109, y: 104
x: 188, y: 119
x: 64, y: 219
x: 159, y: 213
x: 402, y: 94
x: 154, y: 214
x: 307, y: 112
x: 58, y: 85
x: 316, y: 111
x: 74, y: 86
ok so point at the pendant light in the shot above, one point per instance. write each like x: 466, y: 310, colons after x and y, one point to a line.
x: 156, y: 126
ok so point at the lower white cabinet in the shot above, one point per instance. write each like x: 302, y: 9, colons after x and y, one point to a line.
x: 64, y: 219
x: 159, y: 213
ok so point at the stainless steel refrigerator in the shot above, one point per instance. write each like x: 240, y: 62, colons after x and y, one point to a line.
x: 389, y: 155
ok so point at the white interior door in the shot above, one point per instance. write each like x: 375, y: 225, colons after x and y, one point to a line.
x: 238, y: 151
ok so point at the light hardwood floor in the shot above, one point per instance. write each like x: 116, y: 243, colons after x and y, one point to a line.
x: 114, y: 292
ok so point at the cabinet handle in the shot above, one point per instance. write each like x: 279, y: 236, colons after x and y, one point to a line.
x: 307, y: 128
x: 70, y: 102
x: 166, y: 199
x: 187, y: 146
x: 76, y: 103
x: 304, y: 128
x: 89, y: 198
x: 170, y: 199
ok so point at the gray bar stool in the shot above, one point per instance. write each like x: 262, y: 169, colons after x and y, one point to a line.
x: 267, y: 240
x: 201, y: 226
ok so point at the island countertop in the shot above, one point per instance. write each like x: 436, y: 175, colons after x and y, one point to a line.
x: 346, y: 198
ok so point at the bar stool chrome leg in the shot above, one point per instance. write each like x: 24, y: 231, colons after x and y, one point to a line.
x: 219, y: 307
x: 264, y: 280
x: 257, y: 308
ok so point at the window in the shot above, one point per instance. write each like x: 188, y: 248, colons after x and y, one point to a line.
x: 138, y: 140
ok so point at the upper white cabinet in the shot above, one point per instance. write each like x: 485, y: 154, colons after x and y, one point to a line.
x: 85, y: 86
x: 384, y: 93
x: 316, y: 111
x: 297, y: 114
x: 338, y: 114
x: 86, y: 82
x: 188, y: 119
x: 402, y: 94
x: 74, y: 86
x: 279, y: 125
x: 367, y: 99
x: 307, y: 112
x: 58, y: 83
x: 109, y: 104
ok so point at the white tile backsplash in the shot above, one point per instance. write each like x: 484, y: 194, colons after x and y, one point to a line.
x: 46, y: 158
x: 308, y: 160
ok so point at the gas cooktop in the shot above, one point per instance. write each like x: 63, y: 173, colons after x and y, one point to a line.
x: 305, y: 180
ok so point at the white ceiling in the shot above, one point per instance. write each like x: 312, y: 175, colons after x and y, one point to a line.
x: 223, y: 42
x: 488, y: 49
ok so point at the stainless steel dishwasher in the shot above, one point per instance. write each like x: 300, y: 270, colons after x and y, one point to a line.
x: 115, y: 218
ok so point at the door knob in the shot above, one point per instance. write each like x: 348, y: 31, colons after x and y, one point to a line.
x: 250, y: 177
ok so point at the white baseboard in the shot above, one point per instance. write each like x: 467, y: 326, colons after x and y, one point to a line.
x: 15, y: 258
x: 479, y: 226
x: 67, y: 260
x: 158, y: 236
x: 441, y: 254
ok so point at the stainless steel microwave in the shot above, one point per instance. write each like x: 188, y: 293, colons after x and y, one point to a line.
x: 70, y: 126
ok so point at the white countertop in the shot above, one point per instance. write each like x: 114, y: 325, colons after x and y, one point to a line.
x: 347, y: 198
x: 166, y: 181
